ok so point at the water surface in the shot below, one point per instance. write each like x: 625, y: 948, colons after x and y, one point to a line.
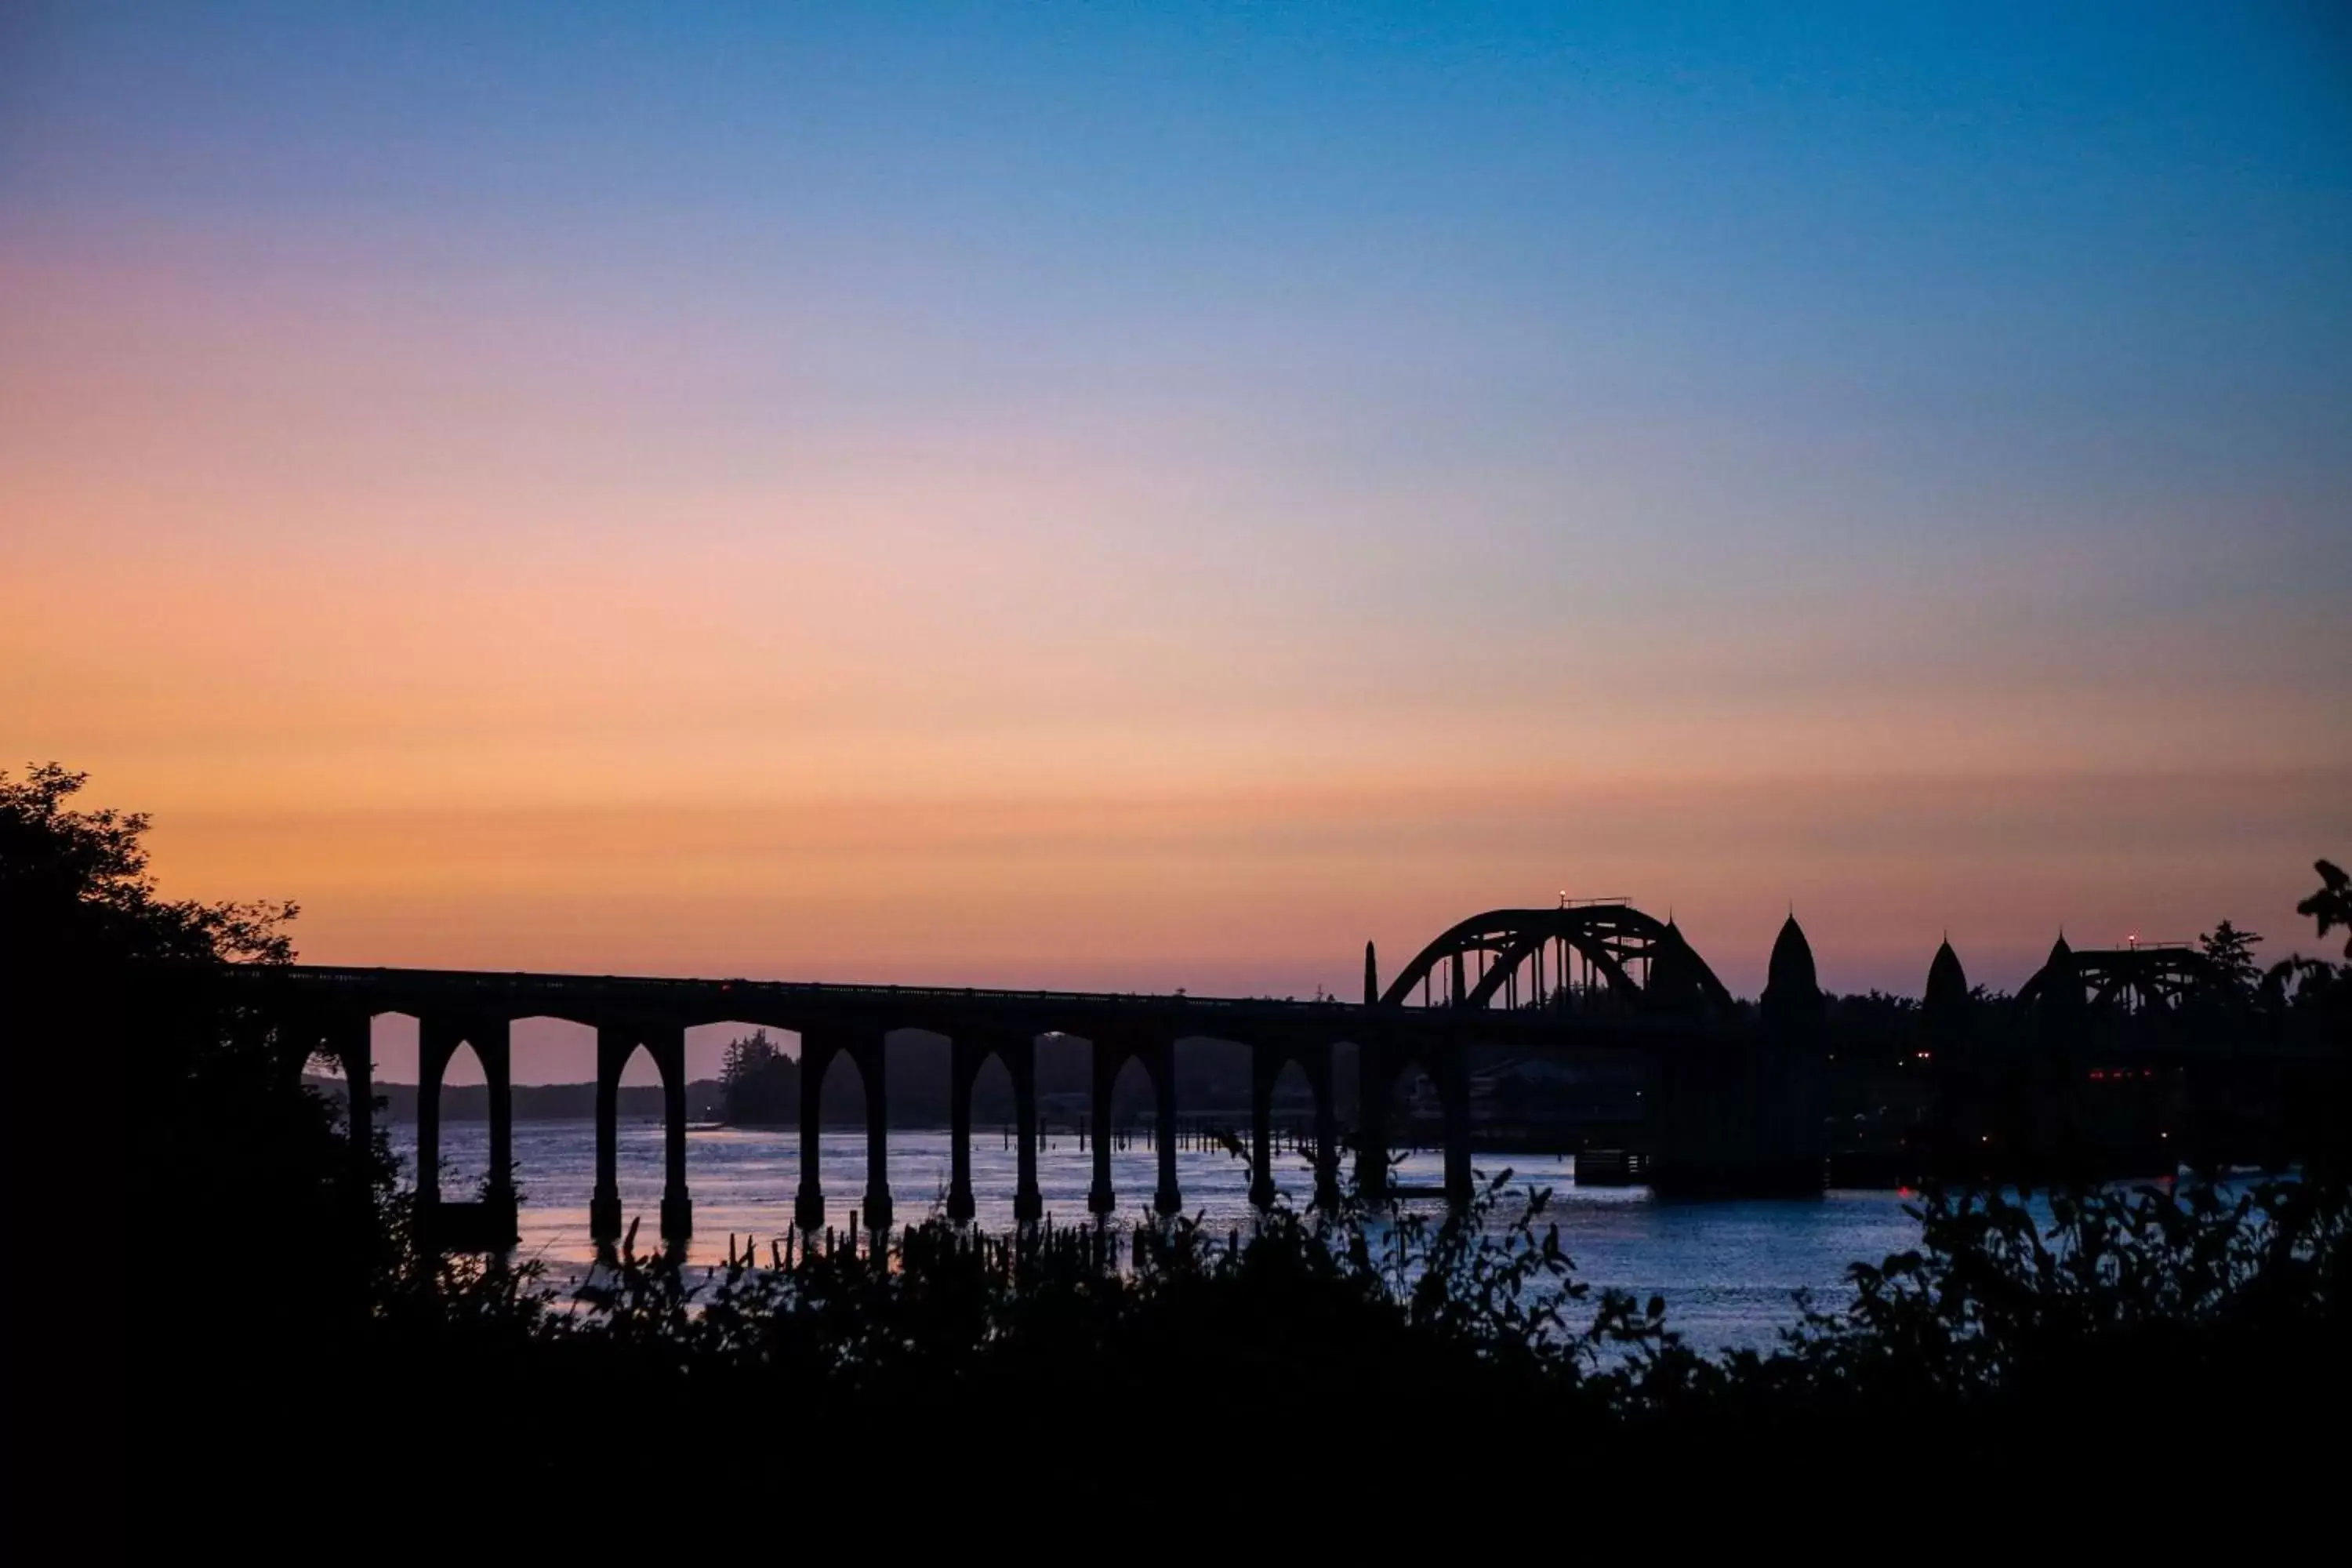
x: 1729, y: 1270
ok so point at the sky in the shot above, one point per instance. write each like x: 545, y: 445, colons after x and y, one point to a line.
x: 1134, y: 497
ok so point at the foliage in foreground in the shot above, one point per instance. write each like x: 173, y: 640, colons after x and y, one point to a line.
x: 2018, y: 1325
x: 2017, y: 1329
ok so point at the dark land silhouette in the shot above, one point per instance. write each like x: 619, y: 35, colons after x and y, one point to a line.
x: 706, y: 1100
x: 291, y: 1309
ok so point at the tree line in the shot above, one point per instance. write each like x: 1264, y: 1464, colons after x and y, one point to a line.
x: 278, y: 1337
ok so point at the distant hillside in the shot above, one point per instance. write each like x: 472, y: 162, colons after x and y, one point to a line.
x: 534, y: 1101
x: 1212, y: 1081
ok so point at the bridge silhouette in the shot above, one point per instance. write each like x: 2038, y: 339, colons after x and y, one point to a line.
x: 1734, y: 1098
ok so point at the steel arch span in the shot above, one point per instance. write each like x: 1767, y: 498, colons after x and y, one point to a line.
x: 2135, y: 979
x: 1645, y: 963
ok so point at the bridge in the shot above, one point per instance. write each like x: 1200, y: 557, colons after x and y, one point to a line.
x: 1591, y: 977
x: 2160, y: 977
x: 1642, y: 964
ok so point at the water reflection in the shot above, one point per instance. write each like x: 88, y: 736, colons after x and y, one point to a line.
x: 1728, y: 1271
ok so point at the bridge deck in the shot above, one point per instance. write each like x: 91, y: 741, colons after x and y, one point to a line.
x: 343, y: 977
x: 788, y: 1003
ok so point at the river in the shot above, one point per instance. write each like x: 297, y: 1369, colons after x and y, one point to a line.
x: 1728, y: 1269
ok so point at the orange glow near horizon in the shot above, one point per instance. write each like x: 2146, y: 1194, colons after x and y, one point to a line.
x: 885, y: 545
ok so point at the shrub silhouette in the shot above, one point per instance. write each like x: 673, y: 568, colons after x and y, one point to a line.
x: 286, y: 1315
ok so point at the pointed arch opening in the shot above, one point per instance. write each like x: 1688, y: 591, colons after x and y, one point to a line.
x: 840, y: 1096
x: 1134, y: 1105
x: 640, y: 1143
x: 1292, y: 1119
x: 1133, y: 1140
x: 992, y: 1107
x: 463, y: 1097
x: 995, y: 1144
x: 1415, y: 1124
x: 839, y: 1087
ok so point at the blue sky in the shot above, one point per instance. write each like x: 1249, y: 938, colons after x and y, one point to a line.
x: 1169, y: 412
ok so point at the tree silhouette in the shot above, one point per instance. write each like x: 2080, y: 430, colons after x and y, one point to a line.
x: 81, y: 877
x: 2332, y: 905
x: 113, y: 989
x: 759, y: 1083
x: 2233, y: 952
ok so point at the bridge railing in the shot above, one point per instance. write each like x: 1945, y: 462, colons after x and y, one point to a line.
x: 521, y: 993
x: 508, y: 981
